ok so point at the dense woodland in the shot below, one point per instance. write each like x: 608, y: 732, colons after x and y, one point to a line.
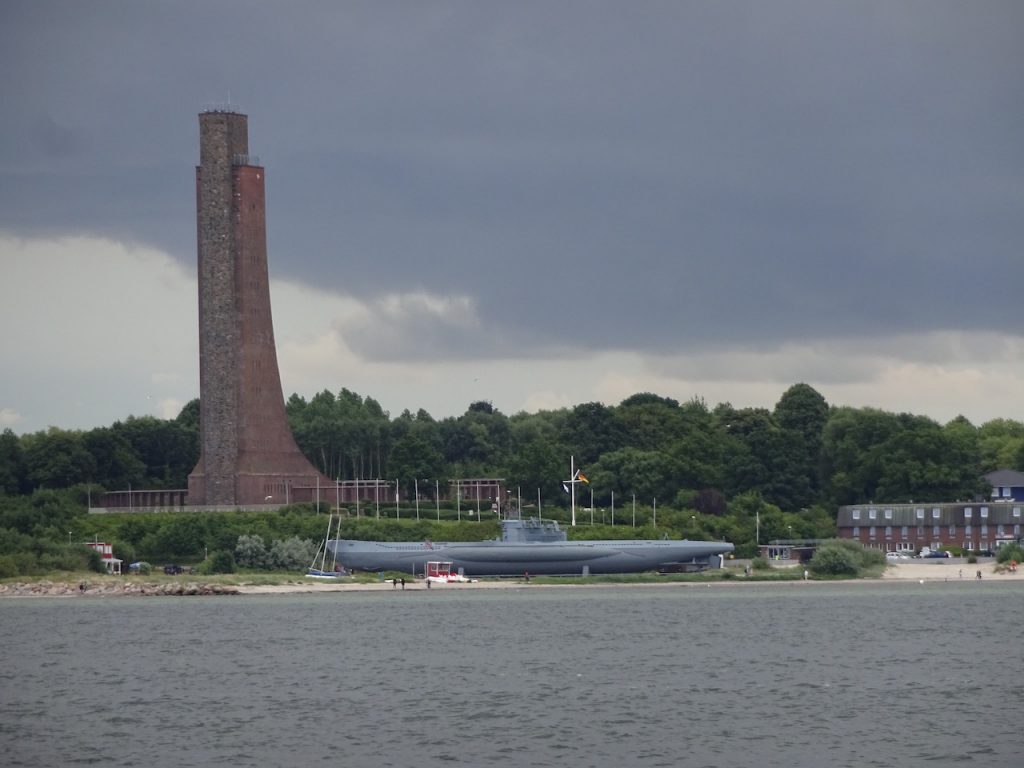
x: 701, y: 471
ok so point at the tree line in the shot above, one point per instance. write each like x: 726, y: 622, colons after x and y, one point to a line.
x: 692, y: 469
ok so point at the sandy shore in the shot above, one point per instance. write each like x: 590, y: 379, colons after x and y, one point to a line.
x: 947, y: 570
x: 912, y: 570
x: 908, y: 570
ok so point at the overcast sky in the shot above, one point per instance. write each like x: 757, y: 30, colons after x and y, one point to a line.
x: 538, y: 204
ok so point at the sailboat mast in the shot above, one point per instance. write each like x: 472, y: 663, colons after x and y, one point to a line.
x: 323, y: 557
x: 334, y: 553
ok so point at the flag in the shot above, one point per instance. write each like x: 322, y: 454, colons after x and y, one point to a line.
x: 583, y: 478
x: 565, y: 487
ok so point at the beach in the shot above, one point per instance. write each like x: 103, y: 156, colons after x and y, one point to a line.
x: 927, y: 570
x: 946, y: 569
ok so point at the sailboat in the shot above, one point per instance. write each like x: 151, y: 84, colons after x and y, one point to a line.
x: 318, y: 568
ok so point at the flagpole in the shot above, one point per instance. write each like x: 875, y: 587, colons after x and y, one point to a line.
x: 572, y: 487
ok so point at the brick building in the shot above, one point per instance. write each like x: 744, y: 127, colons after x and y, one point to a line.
x: 974, y: 526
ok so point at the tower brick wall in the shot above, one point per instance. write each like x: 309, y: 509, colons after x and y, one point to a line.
x: 247, y: 451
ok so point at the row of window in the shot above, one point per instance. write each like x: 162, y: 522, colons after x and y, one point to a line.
x: 936, y: 530
x: 936, y: 513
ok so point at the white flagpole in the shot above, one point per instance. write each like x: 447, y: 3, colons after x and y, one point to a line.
x: 572, y: 486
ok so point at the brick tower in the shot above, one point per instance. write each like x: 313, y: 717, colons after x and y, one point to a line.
x: 247, y: 451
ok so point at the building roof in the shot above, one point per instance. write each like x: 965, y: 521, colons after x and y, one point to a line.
x: 1006, y: 478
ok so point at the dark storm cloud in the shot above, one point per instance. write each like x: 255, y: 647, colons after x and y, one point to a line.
x: 589, y: 175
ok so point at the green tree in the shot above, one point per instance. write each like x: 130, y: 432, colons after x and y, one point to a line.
x: 117, y: 466
x: 537, y: 459
x: 13, y: 472
x: 57, y: 459
x: 591, y: 430
x: 476, y: 443
x: 168, y: 449
x: 1000, y: 444
x: 803, y: 411
x: 852, y: 461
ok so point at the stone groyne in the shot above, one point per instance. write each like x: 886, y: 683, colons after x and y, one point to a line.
x: 112, y: 588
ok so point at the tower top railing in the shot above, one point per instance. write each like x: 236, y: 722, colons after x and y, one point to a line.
x: 227, y: 109
x: 245, y: 160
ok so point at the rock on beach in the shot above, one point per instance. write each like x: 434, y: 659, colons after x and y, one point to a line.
x: 112, y: 588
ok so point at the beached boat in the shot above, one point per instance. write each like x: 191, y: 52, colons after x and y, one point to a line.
x: 440, y: 572
x: 318, y: 569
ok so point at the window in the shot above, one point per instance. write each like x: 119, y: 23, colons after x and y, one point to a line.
x: 871, y: 531
x: 888, y: 514
x: 935, y: 513
x: 984, y: 511
x: 935, y: 531
x: 856, y: 531
x: 967, y: 513
x: 1000, y: 530
x: 919, y: 513
x: 856, y: 514
x: 1006, y: 492
x: 984, y: 529
x: 888, y: 531
x: 952, y: 531
x: 872, y: 513
x: 1016, y: 511
x: 905, y: 531
x: 967, y: 529
x: 1016, y: 530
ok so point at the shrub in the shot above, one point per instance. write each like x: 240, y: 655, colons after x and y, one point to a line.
x: 1010, y: 552
x: 251, y: 552
x: 292, y: 554
x: 8, y: 567
x: 832, y: 559
x: 220, y: 561
x: 760, y: 563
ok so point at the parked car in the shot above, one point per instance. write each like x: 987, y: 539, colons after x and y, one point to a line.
x: 173, y: 570
x: 897, y: 556
x: 937, y: 553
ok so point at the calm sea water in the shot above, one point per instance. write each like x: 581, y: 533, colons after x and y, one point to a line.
x: 788, y: 675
